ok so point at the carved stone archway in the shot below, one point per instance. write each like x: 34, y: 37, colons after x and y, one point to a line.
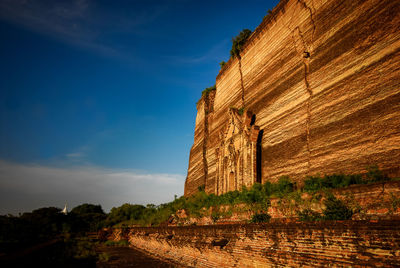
x: 237, y: 152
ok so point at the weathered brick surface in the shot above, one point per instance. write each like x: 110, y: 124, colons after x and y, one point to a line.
x: 330, y: 243
x: 369, y: 201
x: 380, y: 200
x: 337, y: 110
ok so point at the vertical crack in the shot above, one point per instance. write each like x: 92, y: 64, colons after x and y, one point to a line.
x: 308, y: 120
x: 241, y: 78
x: 311, y: 17
x: 205, y: 140
x: 304, y: 51
x: 306, y: 63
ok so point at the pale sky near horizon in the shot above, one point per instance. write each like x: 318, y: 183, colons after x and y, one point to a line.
x: 98, y: 98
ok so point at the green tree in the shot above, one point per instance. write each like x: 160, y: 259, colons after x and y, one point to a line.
x: 87, y: 217
x: 87, y: 208
x: 124, y: 213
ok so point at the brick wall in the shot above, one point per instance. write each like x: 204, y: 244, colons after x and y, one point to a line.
x: 336, y: 243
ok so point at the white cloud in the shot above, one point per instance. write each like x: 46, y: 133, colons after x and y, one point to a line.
x: 26, y: 187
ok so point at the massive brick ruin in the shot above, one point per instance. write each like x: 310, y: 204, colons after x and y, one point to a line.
x: 316, y: 89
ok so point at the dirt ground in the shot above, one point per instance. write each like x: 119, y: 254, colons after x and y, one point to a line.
x: 122, y: 257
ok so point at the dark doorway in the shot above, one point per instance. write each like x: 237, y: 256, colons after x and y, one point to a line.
x: 253, y: 120
x: 258, y: 156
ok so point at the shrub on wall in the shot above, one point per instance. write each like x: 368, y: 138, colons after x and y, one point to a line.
x: 215, y: 216
x: 309, y: 215
x: 374, y: 174
x: 238, y: 42
x: 260, y: 217
x: 336, y: 209
x: 279, y: 189
x: 316, y: 183
x: 208, y: 90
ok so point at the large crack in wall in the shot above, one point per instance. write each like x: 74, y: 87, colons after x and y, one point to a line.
x: 241, y: 79
x: 206, y: 133
x: 306, y: 62
x: 208, y: 110
x: 311, y: 17
x: 304, y: 50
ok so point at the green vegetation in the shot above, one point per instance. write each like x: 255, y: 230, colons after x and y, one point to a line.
x: 316, y: 183
x: 208, y: 90
x: 215, y: 216
x: 126, y: 212
x: 81, y: 249
x: 46, y: 224
x: 120, y: 243
x: 280, y: 189
x: 237, y: 46
x: 309, y: 215
x: 238, y: 42
x: 37, y: 226
x: 86, y: 218
x: 374, y: 174
x: 261, y: 217
x: 395, y: 203
x: 63, y: 236
x: 335, y: 209
x: 256, y: 200
x: 104, y: 257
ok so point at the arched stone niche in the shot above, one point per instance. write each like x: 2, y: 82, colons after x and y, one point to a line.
x: 237, y: 152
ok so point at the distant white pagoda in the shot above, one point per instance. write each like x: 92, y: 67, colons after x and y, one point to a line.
x: 65, y: 210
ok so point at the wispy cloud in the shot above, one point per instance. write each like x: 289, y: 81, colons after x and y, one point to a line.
x: 26, y: 187
x: 79, y: 155
x: 214, y: 54
x: 81, y: 23
x: 64, y: 19
x: 75, y: 155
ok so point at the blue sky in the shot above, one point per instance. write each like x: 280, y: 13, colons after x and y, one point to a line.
x: 97, y: 98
